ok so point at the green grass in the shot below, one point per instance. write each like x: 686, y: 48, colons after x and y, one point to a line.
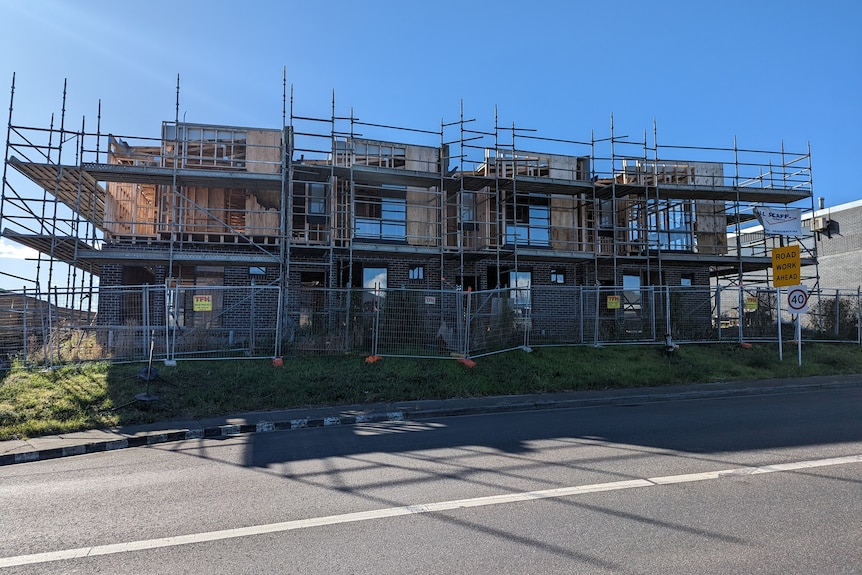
x: 87, y: 396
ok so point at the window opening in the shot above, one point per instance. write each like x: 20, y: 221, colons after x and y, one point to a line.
x: 674, y: 224
x: 558, y: 276
x: 631, y: 297
x: 381, y: 218
x: 312, y: 299
x: 528, y: 225
x: 374, y: 284
x: 380, y: 155
x: 520, y: 282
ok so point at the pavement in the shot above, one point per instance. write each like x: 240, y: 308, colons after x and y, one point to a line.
x: 98, y: 440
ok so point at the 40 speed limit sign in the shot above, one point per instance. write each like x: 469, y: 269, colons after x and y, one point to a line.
x: 797, y: 299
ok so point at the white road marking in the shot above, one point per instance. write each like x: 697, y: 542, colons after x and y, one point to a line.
x: 146, y: 544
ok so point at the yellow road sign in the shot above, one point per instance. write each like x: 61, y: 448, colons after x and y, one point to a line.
x: 786, y: 266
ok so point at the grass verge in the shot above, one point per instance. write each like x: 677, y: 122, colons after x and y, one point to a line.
x: 88, y: 396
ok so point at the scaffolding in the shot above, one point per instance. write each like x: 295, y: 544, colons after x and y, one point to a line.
x: 329, y: 202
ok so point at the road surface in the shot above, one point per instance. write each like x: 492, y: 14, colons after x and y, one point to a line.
x: 760, y: 484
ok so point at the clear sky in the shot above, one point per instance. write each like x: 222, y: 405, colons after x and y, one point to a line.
x: 762, y: 71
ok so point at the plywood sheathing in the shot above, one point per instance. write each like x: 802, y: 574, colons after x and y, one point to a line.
x: 423, y: 216
x: 263, y: 155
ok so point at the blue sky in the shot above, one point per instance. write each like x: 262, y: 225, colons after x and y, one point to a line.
x: 765, y: 72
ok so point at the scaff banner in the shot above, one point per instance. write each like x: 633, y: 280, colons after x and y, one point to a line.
x: 780, y: 221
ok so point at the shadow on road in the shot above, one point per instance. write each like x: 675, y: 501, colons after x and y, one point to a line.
x: 703, y: 427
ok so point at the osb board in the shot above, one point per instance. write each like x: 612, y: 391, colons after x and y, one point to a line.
x: 144, y: 210
x: 423, y: 215
x: 260, y: 221
x: 263, y: 151
x: 117, y: 214
x: 486, y: 213
x: 202, y: 209
x: 710, y: 227
x: 562, y: 223
x: 422, y: 158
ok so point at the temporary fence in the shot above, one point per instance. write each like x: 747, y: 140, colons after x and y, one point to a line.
x: 402, y: 322
x: 126, y: 324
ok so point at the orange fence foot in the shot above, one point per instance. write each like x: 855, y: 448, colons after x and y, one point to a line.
x: 372, y: 358
x: 745, y: 345
x: 277, y: 362
x: 467, y: 362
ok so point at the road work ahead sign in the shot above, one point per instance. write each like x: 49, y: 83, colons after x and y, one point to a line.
x: 785, y: 266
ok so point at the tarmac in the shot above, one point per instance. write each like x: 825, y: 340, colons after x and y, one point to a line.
x: 99, y: 440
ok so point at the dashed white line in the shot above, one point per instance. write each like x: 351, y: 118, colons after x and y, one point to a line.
x: 174, y: 541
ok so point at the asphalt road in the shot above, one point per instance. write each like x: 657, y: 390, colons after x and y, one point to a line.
x: 764, y: 484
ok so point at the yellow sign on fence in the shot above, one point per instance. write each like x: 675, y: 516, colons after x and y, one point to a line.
x: 613, y: 302
x: 203, y: 302
x: 786, y: 266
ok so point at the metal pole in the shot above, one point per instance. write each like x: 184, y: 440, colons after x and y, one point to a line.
x: 467, y: 326
x: 459, y: 318
x: 837, y: 312
x: 251, y: 338
x: 581, y: 312
x: 284, y: 239
x: 598, y: 304
x: 799, y: 337
x: 718, y: 309
x: 667, y: 310
x: 375, y: 339
x: 780, y: 343
x: 56, y: 335
x: 652, y: 311
x: 145, y: 312
x: 8, y: 137
x: 859, y: 315
x: 26, y: 311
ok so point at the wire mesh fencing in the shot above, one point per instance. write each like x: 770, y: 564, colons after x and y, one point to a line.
x: 124, y: 324
x: 215, y: 322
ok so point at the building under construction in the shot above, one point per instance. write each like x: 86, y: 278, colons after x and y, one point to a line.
x: 318, y: 205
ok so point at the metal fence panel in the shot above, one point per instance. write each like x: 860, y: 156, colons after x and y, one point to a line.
x: 562, y: 315
x: 497, y: 321
x: 323, y: 321
x: 833, y: 315
x: 419, y: 323
x: 692, y: 313
x: 216, y: 322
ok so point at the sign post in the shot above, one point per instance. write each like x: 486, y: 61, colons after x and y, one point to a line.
x: 797, y: 302
x: 786, y: 266
x: 780, y: 343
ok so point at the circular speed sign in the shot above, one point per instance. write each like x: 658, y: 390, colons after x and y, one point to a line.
x: 797, y: 299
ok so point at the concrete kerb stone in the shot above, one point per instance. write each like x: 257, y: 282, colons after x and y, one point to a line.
x: 215, y: 432
x: 226, y: 431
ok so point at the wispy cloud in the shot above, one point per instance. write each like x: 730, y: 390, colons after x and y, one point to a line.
x: 15, y: 252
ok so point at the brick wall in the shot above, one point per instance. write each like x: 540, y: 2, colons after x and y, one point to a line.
x: 840, y: 256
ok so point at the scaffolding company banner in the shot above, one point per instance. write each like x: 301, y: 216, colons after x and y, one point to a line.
x: 780, y: 221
